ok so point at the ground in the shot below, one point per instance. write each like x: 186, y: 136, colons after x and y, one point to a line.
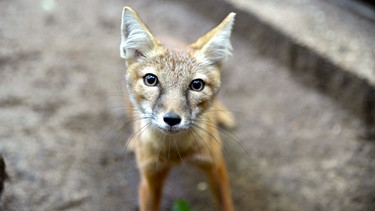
x: 63, y: 128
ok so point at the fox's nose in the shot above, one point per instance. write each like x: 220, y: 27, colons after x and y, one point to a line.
x: 172, y: 119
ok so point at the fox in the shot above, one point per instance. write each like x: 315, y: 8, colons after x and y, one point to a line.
x: 174, y: 107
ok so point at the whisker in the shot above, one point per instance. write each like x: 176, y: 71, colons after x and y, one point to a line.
x: 137, y: 133
x: 178, y: 151
x: 115, y: 127
x: 196, y: 141
x: 169, y: 150
x: 240, y: 113
x: 227, y: 133
x: 162, y: 137
x: 208, y: 147
x: 127, y: 110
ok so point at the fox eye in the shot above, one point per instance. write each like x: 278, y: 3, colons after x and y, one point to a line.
x: 150, y: 80
x: 197, y: 85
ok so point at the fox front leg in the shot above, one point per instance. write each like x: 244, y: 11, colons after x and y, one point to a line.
x: 151, y: 188
x: 219, y: 184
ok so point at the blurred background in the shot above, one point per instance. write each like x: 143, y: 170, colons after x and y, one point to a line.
x: 300, y: 84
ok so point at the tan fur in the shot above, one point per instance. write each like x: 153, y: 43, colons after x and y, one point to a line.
x: 159, y: 145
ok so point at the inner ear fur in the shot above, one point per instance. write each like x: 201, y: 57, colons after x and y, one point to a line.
x: 137, y: 41
x: 215, y: 47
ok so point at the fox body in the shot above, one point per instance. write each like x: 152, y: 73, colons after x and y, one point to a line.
x: 173, y: 104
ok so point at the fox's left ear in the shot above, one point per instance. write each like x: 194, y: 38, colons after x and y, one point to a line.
x: 215, y: 47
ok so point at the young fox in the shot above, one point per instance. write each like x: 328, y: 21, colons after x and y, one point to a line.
x: 175, y: 112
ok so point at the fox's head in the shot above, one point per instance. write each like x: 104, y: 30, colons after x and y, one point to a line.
x: 172, y: 89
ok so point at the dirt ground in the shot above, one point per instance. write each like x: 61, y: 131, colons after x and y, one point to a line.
x: 63, y: 129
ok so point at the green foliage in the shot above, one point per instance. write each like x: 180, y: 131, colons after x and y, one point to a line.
x: 180, y: 205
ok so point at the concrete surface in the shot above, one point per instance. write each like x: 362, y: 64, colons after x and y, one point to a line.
x: 324, y: 27
x: 63, y: 130
x: 326, y: 46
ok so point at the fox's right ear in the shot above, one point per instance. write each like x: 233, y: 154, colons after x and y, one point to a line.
x: 136, y: 39
x: 215, y: 47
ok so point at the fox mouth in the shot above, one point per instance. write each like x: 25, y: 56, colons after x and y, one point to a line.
x: 176, y: 129
x: 172, y: 129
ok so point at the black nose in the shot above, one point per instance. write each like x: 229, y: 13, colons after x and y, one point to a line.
x: 172, y: 119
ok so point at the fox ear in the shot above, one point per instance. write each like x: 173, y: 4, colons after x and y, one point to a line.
x: 136, y: 39
x: 215, y: 47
